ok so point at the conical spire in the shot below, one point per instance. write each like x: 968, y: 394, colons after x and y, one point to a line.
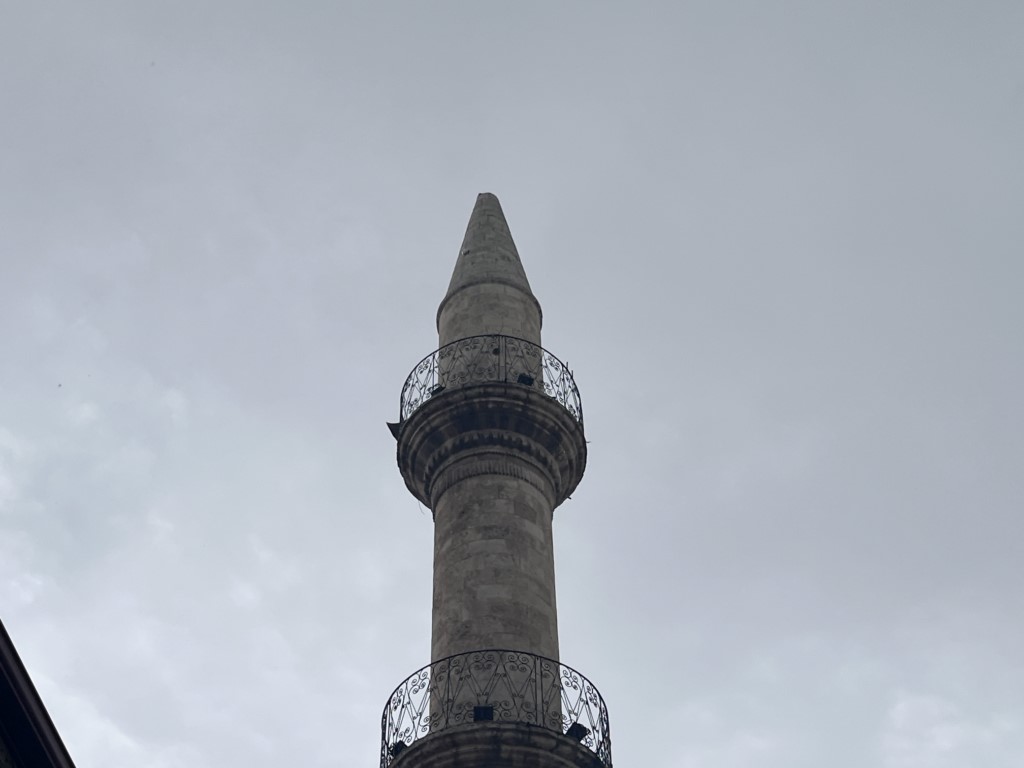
x: 489, y: 291
x: 488, y: 253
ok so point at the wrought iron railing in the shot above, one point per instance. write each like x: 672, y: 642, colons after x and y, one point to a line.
x: 479, y: 359
x: 495, y: 685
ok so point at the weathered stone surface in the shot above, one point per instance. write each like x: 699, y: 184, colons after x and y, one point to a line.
x: 494, y: 569
x: 489, y: 292
x: 493, y: 461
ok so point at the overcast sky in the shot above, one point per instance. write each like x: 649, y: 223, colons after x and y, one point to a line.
x: 780, y: 244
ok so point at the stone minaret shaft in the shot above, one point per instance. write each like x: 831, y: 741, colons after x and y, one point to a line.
x: 494, y: 568
x: 502, y: 455
x: 491, y: 439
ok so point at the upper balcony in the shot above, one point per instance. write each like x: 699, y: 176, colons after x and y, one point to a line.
x: 487, y: 359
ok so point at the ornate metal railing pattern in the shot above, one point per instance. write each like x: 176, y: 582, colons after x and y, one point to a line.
x: 479, y: 359
x: 495, y: 685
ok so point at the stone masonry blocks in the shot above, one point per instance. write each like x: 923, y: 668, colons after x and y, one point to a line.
x: 494, y: 573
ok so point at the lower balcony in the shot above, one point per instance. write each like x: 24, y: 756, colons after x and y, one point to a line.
x: 495, y: 687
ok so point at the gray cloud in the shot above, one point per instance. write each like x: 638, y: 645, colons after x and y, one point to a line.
x: 779, y: 246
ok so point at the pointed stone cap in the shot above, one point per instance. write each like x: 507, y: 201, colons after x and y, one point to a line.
x: 488, y: 256
x: 488, y: 253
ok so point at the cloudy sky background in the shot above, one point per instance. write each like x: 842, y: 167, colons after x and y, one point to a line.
x: 780, y: 244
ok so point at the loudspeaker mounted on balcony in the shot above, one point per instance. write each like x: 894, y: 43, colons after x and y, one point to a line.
x: 577, y: 731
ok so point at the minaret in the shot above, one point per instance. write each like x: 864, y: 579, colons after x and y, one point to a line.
x: 490, y: 438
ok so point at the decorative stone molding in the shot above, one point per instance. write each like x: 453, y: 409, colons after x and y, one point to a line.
x: 454, y: 430
x: 463, y: 465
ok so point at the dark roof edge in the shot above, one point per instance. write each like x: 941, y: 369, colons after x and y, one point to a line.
x: 28, y: 725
